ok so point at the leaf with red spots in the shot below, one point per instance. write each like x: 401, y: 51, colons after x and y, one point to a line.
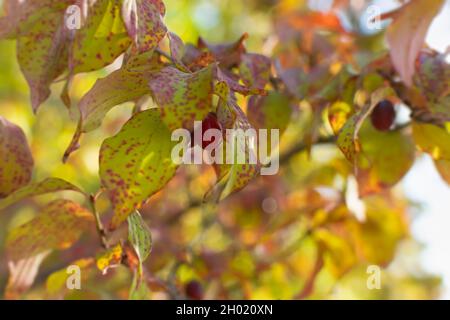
x: 16, y: 161
x: 102, y: 38
x: 255, y: 70
x: 119, y: 87
x: 23, y: 16
x: 42, y: 54
x: 129, y: 83
x: 240, y: 163
x: 57, y: 227
x: 144, y: 22
x: 183, y: 97
x: 347, y: 139
x: 49, y: 185
x: 136, y: 163
x: 406, y: 35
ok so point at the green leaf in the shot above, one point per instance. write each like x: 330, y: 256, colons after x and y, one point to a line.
x: 139, y: 289
x: 139, y: 236
x: 136, y: 163
x: 435, y: 141
x: 432, y: 139
x: 144, y: 22
x: 348, y: 140
x: 58, y: 226
x: 16, y: 160
x: 101, y: 40
x: 48, y: 185
x: 183, y: 97
x: 384, y: 160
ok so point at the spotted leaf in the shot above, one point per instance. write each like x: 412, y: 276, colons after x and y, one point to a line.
x: 144, y: 22
x: 136, y: 163
x: 102, y: 38
x: 49, y: 185
x: 58, y: 226
x: 183, y: 97
x: 42, y: 55
x: 16, y: 161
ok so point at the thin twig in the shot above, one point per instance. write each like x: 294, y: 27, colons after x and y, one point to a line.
x: 98, y: 223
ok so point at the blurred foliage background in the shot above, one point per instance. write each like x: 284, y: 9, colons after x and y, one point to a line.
x: 258, y: 245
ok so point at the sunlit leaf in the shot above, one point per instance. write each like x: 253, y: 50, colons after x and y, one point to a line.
x: 378, y: 237
x: 119, y: 87
x: 102, y: 38
x: 348, y: 140
x: 432, y: 139
x: 338, y: 114
x: 136, y: 163
x: 111, y: 258
x: 16, y: 160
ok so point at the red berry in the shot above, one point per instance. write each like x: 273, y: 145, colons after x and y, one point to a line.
x: 210, y: 122
x: 383, y: 115
x: 194, y: 290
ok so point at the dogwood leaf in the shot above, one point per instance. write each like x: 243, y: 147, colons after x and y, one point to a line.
x: 136, y: 163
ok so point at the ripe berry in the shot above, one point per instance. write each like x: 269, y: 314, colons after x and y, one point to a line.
x: 194, y: 290
x: 383, y: 115
x: 210, y: 122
